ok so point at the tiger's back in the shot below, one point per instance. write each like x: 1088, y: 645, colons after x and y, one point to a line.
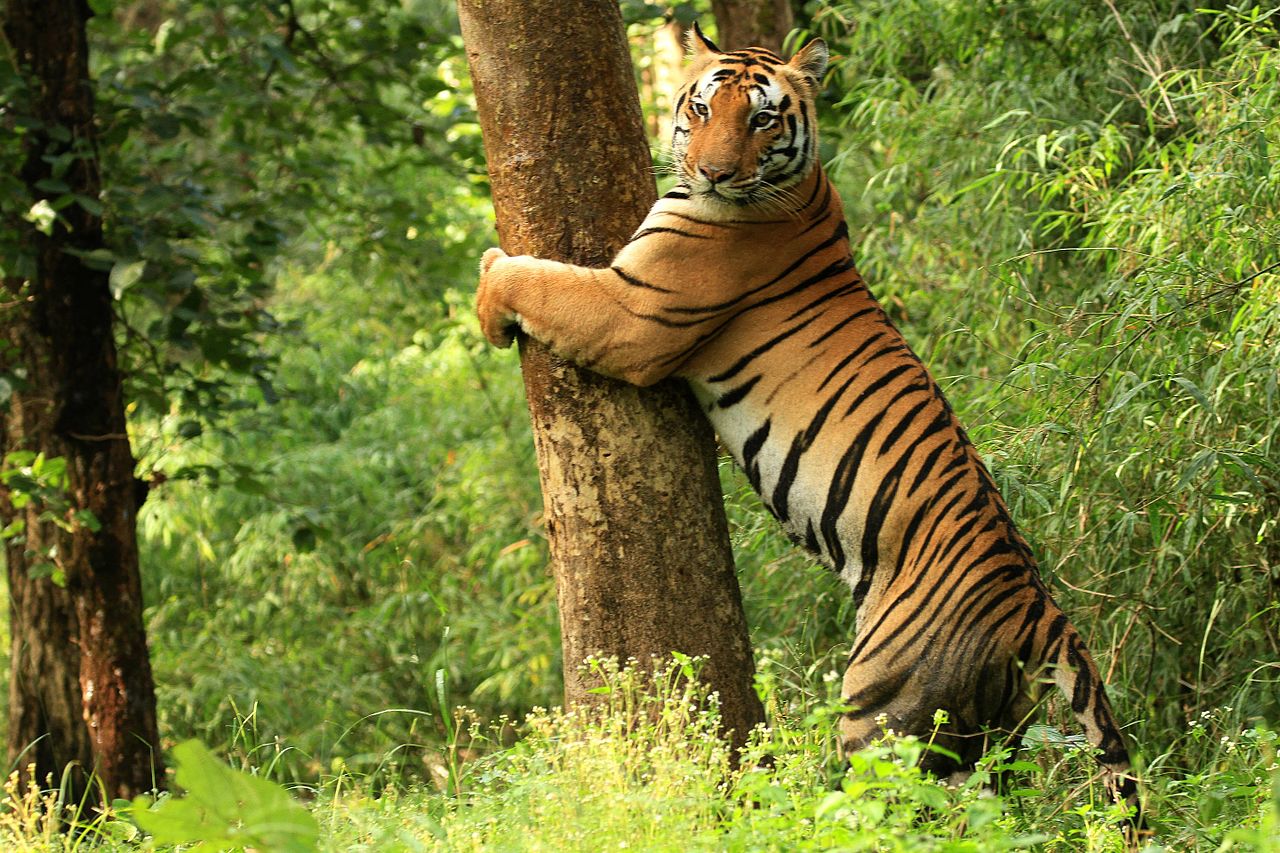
x: 741, y: 281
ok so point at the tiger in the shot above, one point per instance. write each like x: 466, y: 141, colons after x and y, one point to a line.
x: 741, y: 281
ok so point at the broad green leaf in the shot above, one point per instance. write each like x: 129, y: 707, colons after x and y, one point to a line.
x: 225, y: 809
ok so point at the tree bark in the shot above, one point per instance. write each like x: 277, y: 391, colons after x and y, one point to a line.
x: 752, y: 23
x: 81, y: 690
x: 634, y: 515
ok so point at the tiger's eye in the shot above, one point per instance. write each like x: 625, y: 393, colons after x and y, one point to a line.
x: 700, y: 109
x: 761, y: 120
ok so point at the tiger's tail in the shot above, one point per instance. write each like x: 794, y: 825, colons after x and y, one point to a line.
x: 1077, y: 677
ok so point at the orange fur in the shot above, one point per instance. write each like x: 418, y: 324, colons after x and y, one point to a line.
x: 741, y: 281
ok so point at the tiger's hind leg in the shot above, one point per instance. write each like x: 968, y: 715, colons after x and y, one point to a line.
x: 981, y: 707
x: 902, y: 703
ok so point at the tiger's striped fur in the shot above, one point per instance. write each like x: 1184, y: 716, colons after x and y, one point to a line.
x: 741, y: 281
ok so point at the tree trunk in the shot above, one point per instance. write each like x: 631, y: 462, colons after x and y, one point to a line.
x: 752, y: 23
x: 80, y: 690
x: 635, y: 519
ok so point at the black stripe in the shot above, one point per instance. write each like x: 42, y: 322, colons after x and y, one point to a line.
x: 846, y: 321
x: 1053, y: 640
x: 984, y: 631
x: 881, y: 383
x: 905, y: 423
x: 879, y: 694
x: 933, y: 548
x: 926, y: 467
x: 799, y: 445
x: 812, y: 225
x: 704, y: 338
x: 877, y: 512
x: 908, y: 536
x: 736, y: 395
x: 978, y: 609
x: 824, y: 183
x: 637, y: 282
x: 859, y: 350
x: 645, y: 232
x: 841, y: 489
x: 956, y: 461
x: 1084, y: 682
x: 811, y: 538
x: 741, y: 363
x: 766, y: 60
x: 830, y: 270
x: 728, y: 223
x: 920, y: 610
x: 867, y: 632
x: 640, y: 315
x: 938, y: 580
x: 1032, y: 617
x: 835, y: 293
x: 841, y: 232
x: 750, y: 448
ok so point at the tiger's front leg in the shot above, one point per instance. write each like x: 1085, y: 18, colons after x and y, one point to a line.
x: 497, y: 318
x: 590, y: 316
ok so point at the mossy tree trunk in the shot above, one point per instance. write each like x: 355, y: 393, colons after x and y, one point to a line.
x: 80, y: 690
x: 634, y: 515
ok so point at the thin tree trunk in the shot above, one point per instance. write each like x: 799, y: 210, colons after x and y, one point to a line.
x: 81, y: 690
x: 634, y: 514
x: 752, y: 23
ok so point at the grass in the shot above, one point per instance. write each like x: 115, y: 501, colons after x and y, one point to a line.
x: 647, y: 771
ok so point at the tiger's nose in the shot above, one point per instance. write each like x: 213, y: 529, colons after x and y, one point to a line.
x: 716, y: 174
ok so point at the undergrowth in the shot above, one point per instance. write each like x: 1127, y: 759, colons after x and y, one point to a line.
x: 647, y: 770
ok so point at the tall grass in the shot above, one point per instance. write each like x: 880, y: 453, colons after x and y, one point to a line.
x: 1072, y: 209
x: 647, y: 772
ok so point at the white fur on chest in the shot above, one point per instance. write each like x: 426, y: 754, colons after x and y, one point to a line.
x: 806, y: 500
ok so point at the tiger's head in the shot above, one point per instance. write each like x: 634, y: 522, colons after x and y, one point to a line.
x: 745, y: 128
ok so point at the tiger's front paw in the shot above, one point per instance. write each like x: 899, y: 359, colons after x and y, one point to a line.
x: 497, y: 321
x: 488, y: 258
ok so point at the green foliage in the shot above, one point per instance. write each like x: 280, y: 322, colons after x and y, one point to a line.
x: 32, y: 479
x: 645, y: 771
x: 242, y: 145
x: 224, y: 809
x: 1073, y: 210
x: 416, y: 450
x: 236, y: 141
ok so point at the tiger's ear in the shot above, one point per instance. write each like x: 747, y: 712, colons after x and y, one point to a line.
x: 700, y: 47
x: 810, y: 62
